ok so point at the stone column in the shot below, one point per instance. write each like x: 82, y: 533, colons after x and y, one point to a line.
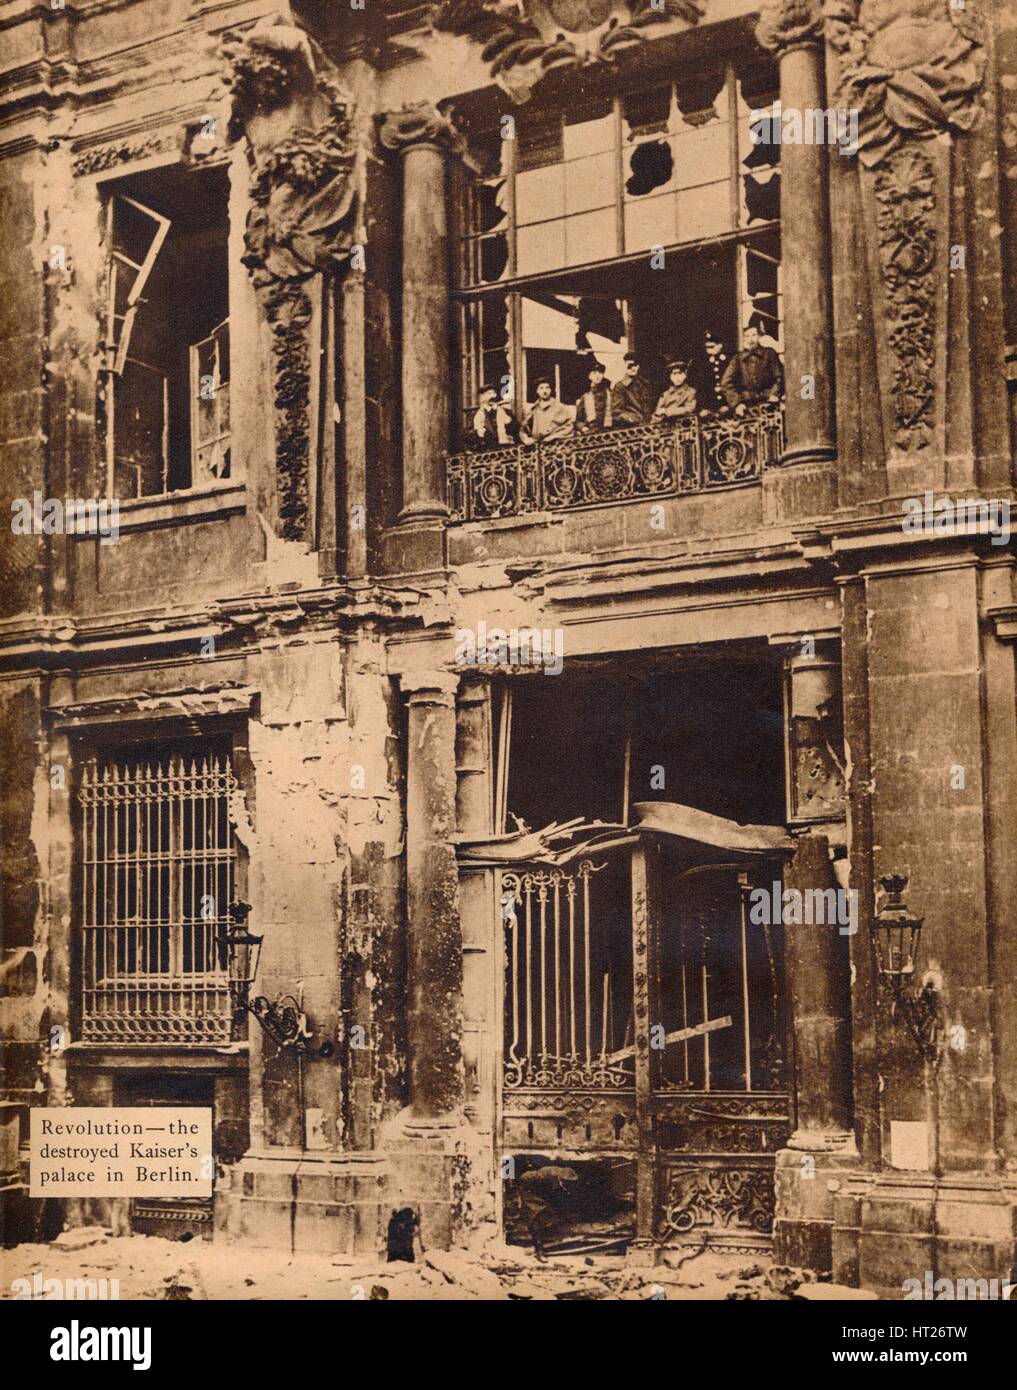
x: 817, y: 967
x: 818, y: 976
x: 423, y: 138
x: 434, y: 932
x: 792, y: 30
x: 481, y: 929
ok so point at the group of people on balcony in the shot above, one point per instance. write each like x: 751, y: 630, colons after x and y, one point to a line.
x: 752, y: 376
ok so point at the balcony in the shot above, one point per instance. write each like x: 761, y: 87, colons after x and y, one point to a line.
x: 699, y: 454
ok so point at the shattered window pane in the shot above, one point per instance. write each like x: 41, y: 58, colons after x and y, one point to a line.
x: 573, y: 211
x: 651, y: 168
x: 167, y: 357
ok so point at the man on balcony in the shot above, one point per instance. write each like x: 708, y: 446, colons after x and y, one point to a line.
x: 631, y: 397
x: 546, y: 418
x: 593, y: 409
x: 494, y: 425
x: 677, y: 400
x: 753, y: 375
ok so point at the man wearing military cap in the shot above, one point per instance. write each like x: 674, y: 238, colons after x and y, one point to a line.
x: 678, y: 399
x: 631, y: 397
x: 593, y: 409
x: 753, y: 375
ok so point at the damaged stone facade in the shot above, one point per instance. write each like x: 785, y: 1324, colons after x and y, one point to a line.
x: 298, y: 608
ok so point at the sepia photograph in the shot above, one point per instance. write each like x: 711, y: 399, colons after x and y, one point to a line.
x: 508, y: 705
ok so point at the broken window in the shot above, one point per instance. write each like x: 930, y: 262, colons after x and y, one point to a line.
x: 167, y: 332
x: 645, y: 223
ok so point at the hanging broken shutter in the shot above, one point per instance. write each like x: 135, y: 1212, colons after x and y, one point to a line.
x: 135, y: 235
x: 210, y: 405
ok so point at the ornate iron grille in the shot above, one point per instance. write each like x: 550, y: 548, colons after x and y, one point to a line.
x: 569, y: 1013
x: 158, y: 862
x: 615, y: 466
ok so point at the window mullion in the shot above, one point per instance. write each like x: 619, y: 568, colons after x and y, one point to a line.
x: 619, y: 178
x: 741, y: 282
x: 516, y: 347
x: 731, y: 86
x: 510, y: 210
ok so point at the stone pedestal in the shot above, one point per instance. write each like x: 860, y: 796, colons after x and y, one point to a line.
x: 334, y: 1203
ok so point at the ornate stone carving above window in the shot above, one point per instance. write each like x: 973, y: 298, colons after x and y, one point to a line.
x: 115, y: 154
x: 296, y: 122
x: 911, y: 68
x: 522, y: 44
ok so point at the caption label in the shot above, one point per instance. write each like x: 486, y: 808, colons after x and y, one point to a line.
x: 104, y: 1151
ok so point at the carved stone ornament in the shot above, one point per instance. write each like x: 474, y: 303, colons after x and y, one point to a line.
x: 113, y: 153
x: 420, y: 123
x: 911, y: 68
x: 786, y: 24
x: 524, y: 41
x: 906, y: 237
x: 296, y: 123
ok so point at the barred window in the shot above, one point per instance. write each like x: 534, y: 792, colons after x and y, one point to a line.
x: 158, y: 866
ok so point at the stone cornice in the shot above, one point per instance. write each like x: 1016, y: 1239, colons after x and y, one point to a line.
x: 214, y: 700
x: 33, y: 645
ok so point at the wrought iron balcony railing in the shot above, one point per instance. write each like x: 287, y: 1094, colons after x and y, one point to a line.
x: 619, y: 465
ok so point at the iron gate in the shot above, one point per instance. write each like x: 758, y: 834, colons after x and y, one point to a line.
x: 645, y: 1020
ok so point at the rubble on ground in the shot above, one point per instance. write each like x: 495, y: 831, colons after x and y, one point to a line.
x: 152, y: 1268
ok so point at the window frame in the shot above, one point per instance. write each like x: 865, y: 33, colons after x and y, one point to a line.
x: 466, y: 243
x: 116, y: 345
x: 117, y: 833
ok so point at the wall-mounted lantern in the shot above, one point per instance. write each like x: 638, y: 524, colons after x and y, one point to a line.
x: 896, y: 933
x: 283, y: 1020
x: 239, y: 953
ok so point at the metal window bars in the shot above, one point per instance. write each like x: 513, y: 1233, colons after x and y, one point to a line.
x: 564, y: 1024
x: 157, y: 877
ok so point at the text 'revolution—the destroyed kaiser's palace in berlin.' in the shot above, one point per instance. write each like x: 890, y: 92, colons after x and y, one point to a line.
x: 504, y: 500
